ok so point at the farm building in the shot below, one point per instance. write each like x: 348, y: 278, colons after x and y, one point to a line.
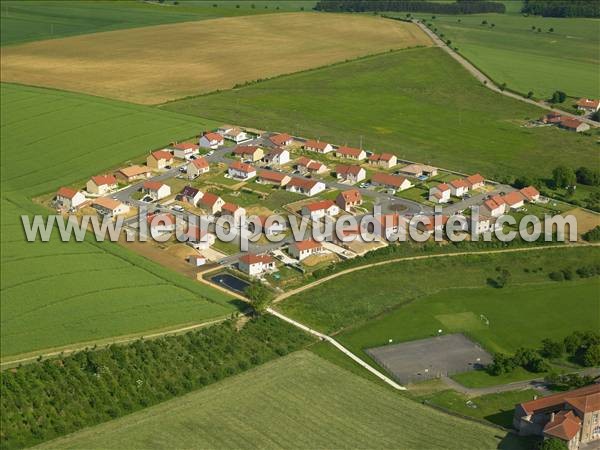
x: 133, y: 173
x: 281, y: 140
x: 210, y: 202
x: 249, y: 152
x: 419, y: 170
x: 185, y: 150
x: 277, y: 156
x: 156, y: 189
x: 101, y: 184
x: 317, y: 146
x: 109, y: 207
x: 276, y: 178
x: 210, y: 140
x: 303, y: 249
x: 383, y: 160
x: 571, y: 124
x: 352, y: 174
x: 439, y: 193
x: 197, y: 167
x: 588, y: 105
x: 255, y: 265
x: 459, y: 187
x: 159, y: 159
x: 322, y: 208
x: 68, y: 198
x: 190, y: 195
x: 346, y: 200
x: 350, y: 153
x: 304, y: 164
x: 305, y: 187
x: 241, y: 171
x: 391, y: 181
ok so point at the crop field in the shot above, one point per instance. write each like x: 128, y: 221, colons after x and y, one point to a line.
x: 48, y: 19
x: 299, y: 401
x: 140, y: 65
x: 330, y: 307
x: 55, y: 294
x: 418, y: 104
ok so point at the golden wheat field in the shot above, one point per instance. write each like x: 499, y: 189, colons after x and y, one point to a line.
x: 160, y: 63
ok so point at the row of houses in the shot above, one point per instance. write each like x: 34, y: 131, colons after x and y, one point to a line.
x: 442, y: 192
x: 500, y: 204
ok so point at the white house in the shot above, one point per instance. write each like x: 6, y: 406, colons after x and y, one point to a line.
x: 303, y: 249
x: 210, y: 202
x: 350, y: 153
x: 241, y: 171
x: 352, y: 174
x: 588, y: 105
x: 68, y: 198
x: 391, y: 181
x: 161, y: 223
x: 281, y: 140
x: 156, y: 189
x: 319, y: 209
x: 346, y: 200
x: 211, y: 140
x: 385, y: 160
x: 190, y: 195
x: 255, y: 265
x: 278, y: 156
x: 159, y: 159
x: 185, y: 150
x: 132, y: 173
x: 459, y: 187
x: 514, y: 199
x: 494, y: 206
x: 109, y: 207
x: 276, y: 178
x: 101, y: 184
x: 483, y: 224
x: 475, y: 181
x: 199, y: 239
x: 439, y: 193
x: 233, y: 134
x: 304, y: 164
x: 271, y: 227
x: 234, y: 211
x: 530, y: 193
x: 305, y: 187
x: 317, y: 146
x: 197, y: 167
x: 197, y: 260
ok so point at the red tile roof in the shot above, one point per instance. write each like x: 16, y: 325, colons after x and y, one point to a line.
x: 213, y: 136
x: 381, y: 157
x: 442, y: 187
x: 186, y: 145
x: 209, y: 199
x: 351, y: 196
x: 200, y: 163
x: 107, y: 203
x: 320, y: 145
x: 317, y: 206
x: 588, y: 398
x: 530, y: 192
x: 387, y: 179
x: 569, y: 122
x: 251, y: 258
x: 459, y: 183
x: 349, y: 151
x: 280, y: 139
x: 100, y: 180
x: 588, y: 103
x: 302, y: 183
x: 565, y: 425
x: 153, y: 185
x: 245, y: 149
x: 162, y: 154
x: 307, y: 245
x: 475, y: 179
x: 164, y: 219
x: 242, y: 167
x: 230, y: 207
x: 66, y: 192
x: 343, y: 169
x: 512, y: 198
x: 276, y: 177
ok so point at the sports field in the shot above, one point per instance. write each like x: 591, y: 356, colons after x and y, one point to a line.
x: 55, y: 294
x: 417, y: 103
x: 155, y: 64
x: 36, y: 20
x: 299, y: 401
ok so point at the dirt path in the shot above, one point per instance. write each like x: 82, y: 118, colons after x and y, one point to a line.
x: 491, y: 85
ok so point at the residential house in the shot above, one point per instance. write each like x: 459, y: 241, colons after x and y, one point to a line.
x: 68, y: 198
x: 197, y: 167
x: 133, y: 173
x: 430, y: 224
x: 391, y: 181
x: 249, y: 152
x: 197, y: 260
x: 234, y: 211
x: 495, y: 206
x: 271, y: 226
x: 211, y: 140
x: 233, y: 134
x: 419, y: 170
x: 190, y: 195
x: 304, y: 164
x: 161, y: 223
x: 588, y: 105
x: 199, y: 239
x: 241, y: 171
x: 270, y: 177
x: 255, y: 265
x: 277, y: 156
x: 156, y: 189
x: 211, y: 203
x: 530, y: 193
x: 159, y: 159
x: 459, y: 187
x: 322, y: 208
x: 350, y: 153
x: 353, y: 174
x: 572, y: 417
x: 384, y: 160
x: 109, y: 207
x: 281, y: 140
x: 514, y: 199
x: 571, y: 124
x: 317, y: 146
x: 347, y: 200
x: 439, y: 193
x: 388, y: 225
x: 305, y: 187
x: 303, y: 249
x: 475, y: 181
x: 101, y: 184
x: 185, y: 150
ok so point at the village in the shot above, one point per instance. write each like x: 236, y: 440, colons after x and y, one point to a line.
x: 236, y: 172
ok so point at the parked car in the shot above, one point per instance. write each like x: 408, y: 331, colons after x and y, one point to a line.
x: 168, y: 167
x: 183, y: 169
x: 210, y: 153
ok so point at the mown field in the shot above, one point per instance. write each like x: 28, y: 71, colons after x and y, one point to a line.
x: 140, y: 65
x: 418, y: 103
x: 299, y: 401
x: 55, y: 294
x: 514, y: 52
x: 331, y: 307
x: 36, y: 20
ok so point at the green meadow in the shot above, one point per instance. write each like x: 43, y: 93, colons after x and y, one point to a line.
x: 418, y: 104
x: 300, y: 401
x: 55, y: 294
x: 25, y: 21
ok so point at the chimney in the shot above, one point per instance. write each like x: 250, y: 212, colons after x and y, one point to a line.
x: 552, y: 417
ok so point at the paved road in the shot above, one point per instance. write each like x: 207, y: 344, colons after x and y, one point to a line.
x: 490, y: 84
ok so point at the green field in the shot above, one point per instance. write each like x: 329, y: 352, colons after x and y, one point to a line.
x: 512, y: 52
x: 55, y: 294
x: 419, y: 104
x: 25, y: 21
x: 434, y: 286
x: 299, y: 401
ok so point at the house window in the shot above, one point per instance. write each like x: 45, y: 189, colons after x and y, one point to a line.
x: 596, y: 431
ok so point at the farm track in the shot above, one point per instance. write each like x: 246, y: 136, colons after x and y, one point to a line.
x: 487, y: 82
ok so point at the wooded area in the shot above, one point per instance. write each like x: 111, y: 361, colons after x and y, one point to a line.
x: 459, y: 7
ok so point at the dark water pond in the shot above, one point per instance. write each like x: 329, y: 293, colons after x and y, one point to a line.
x: 230, y: 282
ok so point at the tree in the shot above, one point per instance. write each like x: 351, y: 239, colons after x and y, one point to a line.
x: 558, y: 97
x: 484, y: 22
x: 493, y: 25
x: 563, y: 176
x: 588, y: 176
x: 502, y: 363
x: 592, y: 235
x: 551, y: 30
x: 448, y: 42
x: 552, y: 349
x: 260, y: 296
x: 553, y: 444
x: 503, y: 86
x: 533, y: 27
x: 595, y: 116
x: 591, y: 356
x: 539, y: 30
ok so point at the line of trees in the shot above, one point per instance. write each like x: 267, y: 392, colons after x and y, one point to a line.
x: 459, y: 7
x: 44, y: 400
x: 562, y: 8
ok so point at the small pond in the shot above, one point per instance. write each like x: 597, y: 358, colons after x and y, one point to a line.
x: 230, y: 282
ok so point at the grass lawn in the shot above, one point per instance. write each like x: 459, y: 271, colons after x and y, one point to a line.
x: 55, y: 294
x: 37, y: 20
x: 418, y: 104
x: 482, y: 379
x: 297, y: 393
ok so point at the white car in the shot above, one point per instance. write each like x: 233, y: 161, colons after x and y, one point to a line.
x: 210, y: 153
